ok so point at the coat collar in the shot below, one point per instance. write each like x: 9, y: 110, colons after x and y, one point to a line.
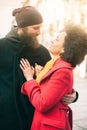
x: 58, y: 65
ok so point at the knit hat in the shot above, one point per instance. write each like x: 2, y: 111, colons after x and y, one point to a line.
x: 27, y: 16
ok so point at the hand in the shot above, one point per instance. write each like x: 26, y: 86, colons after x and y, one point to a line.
x: 69, y: 98
x: 26, y: 68
x: 38, y: 69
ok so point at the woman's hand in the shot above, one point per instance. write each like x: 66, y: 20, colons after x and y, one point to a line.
x: 26, y: 68
x: 38, y: 69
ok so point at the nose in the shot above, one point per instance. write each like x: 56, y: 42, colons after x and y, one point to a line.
x: 52, y: 41
x: 38, y: 32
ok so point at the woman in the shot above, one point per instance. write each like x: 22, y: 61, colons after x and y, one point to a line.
x: 55, y: 80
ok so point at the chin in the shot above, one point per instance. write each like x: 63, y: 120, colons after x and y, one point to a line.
x: 50, y: 50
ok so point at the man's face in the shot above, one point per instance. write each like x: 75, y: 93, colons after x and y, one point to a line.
x: 29, y: 33
x: 32, y: 31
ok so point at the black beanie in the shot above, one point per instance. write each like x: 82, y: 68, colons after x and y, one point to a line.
x: 27, y: 16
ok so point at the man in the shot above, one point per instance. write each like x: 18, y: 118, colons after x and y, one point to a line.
x: 15, y: 110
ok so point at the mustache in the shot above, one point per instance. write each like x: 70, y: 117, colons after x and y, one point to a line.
x: 30, y: 41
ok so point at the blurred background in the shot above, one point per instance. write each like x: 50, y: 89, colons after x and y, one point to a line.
x: 55, y: 13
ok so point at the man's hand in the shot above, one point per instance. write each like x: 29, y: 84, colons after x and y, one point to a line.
x: 69, y: 98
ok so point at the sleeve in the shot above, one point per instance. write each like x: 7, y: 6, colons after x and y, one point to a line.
x: 77, y: 95
x: 47, y: 95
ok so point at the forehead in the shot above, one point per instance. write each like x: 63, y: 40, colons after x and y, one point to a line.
x: 61, y: 34
x: 36, y: 26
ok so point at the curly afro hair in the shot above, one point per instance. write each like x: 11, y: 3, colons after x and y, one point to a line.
x: 75, y: 46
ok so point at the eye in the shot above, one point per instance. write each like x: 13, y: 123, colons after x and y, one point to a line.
x: 35, y: 28
x: 57, y: 38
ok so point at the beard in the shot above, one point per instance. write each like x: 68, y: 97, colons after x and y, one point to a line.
x: 30, y: 41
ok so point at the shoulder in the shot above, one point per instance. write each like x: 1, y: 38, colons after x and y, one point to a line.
x: 63, y: 64
x: 42, y: 55
x: 43, y: 48
x: 2, y: 43
x: 43, y: 51
x: 62, y: 67
x: 3, y: 40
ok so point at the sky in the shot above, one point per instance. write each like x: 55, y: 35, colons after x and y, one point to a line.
x: 6, y: 8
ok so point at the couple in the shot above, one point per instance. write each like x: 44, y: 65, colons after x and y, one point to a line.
x: 16, y: 111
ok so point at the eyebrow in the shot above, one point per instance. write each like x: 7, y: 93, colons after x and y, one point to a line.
x: 37, y: 27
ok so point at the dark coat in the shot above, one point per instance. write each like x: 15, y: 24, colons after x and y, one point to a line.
x: 15, y: 110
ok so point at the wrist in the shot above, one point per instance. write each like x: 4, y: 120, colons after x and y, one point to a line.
x: 29, y: 79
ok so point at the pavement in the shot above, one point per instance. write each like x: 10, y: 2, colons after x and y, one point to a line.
x: 80, y: 107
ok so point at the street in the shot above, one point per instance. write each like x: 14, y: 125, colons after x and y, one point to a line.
x: 80, y: 107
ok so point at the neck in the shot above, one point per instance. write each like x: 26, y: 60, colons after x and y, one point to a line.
x: 55, y: 55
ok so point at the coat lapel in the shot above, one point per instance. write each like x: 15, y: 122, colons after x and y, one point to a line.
x: 58, y: 65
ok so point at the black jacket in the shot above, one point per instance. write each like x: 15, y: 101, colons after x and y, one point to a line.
x: 16, y: 112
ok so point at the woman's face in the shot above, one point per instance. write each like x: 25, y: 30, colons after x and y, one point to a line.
x: 57, y: 45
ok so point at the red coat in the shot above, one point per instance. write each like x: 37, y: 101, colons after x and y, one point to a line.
x: 50, y: 112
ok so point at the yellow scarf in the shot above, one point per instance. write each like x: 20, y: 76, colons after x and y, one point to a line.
x: 46, y: 68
